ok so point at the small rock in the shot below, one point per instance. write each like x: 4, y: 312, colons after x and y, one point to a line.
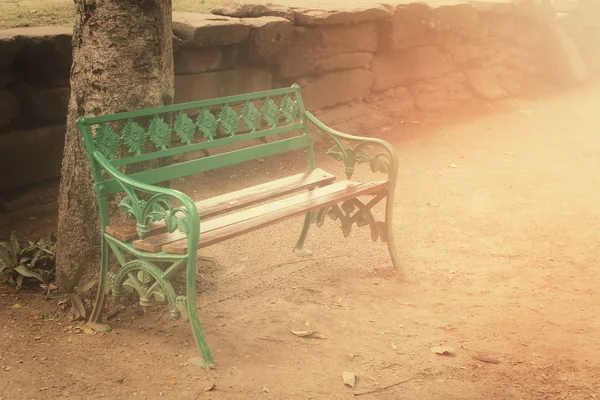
x: 349, y: 379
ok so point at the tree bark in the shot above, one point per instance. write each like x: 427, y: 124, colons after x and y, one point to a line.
x: 122, y: 61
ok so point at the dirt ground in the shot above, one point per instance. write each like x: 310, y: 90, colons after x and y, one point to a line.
x: 496, y: 225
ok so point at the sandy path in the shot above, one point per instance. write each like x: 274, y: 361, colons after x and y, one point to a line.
x: 501, y: 257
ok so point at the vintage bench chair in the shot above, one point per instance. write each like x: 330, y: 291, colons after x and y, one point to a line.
x: 166, y: 228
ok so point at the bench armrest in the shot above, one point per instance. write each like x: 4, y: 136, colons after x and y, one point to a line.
x: 156, y: 208
x: 386, y: 162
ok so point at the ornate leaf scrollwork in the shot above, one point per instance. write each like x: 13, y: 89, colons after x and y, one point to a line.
x: 146, y: 279
x: 157, y: 213
x: 251, y: 116
x: 290, y: 109
x: 159, y: 132
x: 134, y: 137
x: 174, y: 222
x: 107, y: 141
x: 359, y: 154
x: 270, y: 113
x: 185, y: 128
x: 126, y: 205
x: 381, y: 163
x: 156, y: 209
x: 353, y: 212
x: 207, y: 124
x: 229, y: 119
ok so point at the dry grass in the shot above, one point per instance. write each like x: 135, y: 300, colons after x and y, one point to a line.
x: 17, y: 13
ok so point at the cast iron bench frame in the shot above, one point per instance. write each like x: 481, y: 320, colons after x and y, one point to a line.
x: 160, y: 232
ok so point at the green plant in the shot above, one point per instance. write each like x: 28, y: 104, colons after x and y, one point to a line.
x: 20, y: 262
x: 73, y: 289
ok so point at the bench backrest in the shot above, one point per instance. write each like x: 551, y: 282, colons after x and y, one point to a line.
x: 129, y: 138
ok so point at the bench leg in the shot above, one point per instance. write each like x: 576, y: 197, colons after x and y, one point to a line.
x: 389, y: 226
x: 299, y: 248
x: 95, y: 320
x: 192, y: 310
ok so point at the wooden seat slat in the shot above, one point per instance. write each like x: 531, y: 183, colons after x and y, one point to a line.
x: 126, y: 231
x: 267, y: 191
x: 242, y: 222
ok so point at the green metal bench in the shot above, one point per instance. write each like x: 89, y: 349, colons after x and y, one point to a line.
x: 164, y: 230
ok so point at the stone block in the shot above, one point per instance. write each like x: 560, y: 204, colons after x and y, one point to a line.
x: 358, y: 37
x: 500, y: 7
x: 571, y: 25
x: 339, y: 13
x: 234, y: 8
x: 343, y: 113
x: 10, y: 46
x: 511, y: 81
x: 406, y: 66
x: 440, y: 94
x: 9, y: 108
x: 566, y: 6
x: 543, y: 11
x: 206, y: 30
x: 502, y: 26
x: 6, y: 78
x: 484, y: 83
x: 46, y: 54
x: 41, y: 105
x: 590, y: 42
x: 343, y: 61
x: 219, y: 84
x: 455, y: 16
x: 269, y: 39
x: 190, y: 60
x: 334, y: 88
x: 406, y: 28
x: 312, y: 45
x: 32, y: 156
x: 527, y: 34
x: 467, y: 54
x: 563, y: 58
x: 46, y: 192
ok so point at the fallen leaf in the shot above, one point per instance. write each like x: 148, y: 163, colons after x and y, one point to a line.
x: 485, y: 359
x: 349, y: 379
x: 443, y: 350
x: 16, y: 306
x: 210, y: 387
x: 307, y: 334
x: 452, y: 165
x: 89, y: 330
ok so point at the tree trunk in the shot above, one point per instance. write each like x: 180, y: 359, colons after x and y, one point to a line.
x: 122, y: 60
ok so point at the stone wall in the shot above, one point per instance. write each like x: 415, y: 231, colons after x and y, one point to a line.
x: 412, y: 58
x: 580, y: 21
